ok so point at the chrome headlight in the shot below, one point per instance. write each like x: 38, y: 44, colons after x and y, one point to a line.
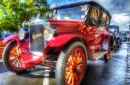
x: 49, y: 32
x: 23, y: 33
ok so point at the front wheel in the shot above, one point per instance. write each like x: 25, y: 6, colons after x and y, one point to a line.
x: 71, y: 64
x: 11, y: 57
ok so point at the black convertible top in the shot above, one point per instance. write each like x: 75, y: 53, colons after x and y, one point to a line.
x: 83, y: 3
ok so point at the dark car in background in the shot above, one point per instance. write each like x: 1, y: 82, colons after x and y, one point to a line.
x: 115, y: 37
x: 124, y: 35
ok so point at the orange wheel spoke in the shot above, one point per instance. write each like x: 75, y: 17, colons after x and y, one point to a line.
x: 13, y: 55
x: 79, y: 60
x: 68, y: 69
x: 15, y: 61
x: 13, y: 58
x: 69, y: 63
x: 68, y: 75
x: 17, y: 50
x: 71, y: 59
x: 70, y: 79
x: 18, y: 63
x: 80, y: 64
x: 14, y: 50
x: 76, y: 56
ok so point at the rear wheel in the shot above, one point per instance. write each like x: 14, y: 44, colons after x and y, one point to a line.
x: 115, y: 45
x: 107, y: 56
x: 71, y: 64
x: 106, y: 47
x: 11, y: 57
x: 115, y: 48
x: 118, y: 45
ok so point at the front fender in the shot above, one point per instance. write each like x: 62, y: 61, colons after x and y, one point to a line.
x: 13, y: 37
x: 61, y: 40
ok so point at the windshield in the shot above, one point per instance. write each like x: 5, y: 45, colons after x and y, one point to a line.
x: 77, y: 13
x: 113, y: 28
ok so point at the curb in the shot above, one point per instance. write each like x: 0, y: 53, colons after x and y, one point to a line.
x: 127, y: 80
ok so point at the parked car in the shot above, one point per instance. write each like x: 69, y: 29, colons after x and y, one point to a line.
x: 77, y: 32
x: 124, y: 35
x: 116, y: 38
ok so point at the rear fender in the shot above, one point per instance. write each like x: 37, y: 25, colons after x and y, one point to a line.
x: 13, y: 37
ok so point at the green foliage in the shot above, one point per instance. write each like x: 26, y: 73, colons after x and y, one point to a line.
x: 14, y: 12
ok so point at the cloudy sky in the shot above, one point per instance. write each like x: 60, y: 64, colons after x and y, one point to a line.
x: 119, y: 10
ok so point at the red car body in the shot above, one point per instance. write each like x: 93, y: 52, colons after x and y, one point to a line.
x: 92, y: 36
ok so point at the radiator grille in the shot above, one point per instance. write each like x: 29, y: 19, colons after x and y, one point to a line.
x: 36, y: 38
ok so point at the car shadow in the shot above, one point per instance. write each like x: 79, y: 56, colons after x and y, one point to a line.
x: 39, y: 72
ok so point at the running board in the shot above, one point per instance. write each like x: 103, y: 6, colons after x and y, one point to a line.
x: 98, y: 54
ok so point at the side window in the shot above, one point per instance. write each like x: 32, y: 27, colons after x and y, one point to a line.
x: 93, y: 16
x: 108, y: 22
x: 105, y: 20
x: 94, y: 13
x: 104, y: 16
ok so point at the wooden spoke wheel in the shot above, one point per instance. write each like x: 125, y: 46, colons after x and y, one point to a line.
x: 14, y: 57
x: 75, y: 66
x: 11, y: 57
x: 106, y: 47
x: 107, y: 56
x: 71, y: 64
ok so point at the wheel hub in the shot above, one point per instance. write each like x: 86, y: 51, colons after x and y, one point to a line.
x: 76, y: 68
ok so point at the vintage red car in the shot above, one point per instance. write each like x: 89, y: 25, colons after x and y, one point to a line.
x: 77, y: 32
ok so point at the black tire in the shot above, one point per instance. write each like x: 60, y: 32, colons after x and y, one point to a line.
x: 7, y: 60
x: 107, y: 56
x: 64, y: 59
x: 115, y: 47
x: 118, y: 45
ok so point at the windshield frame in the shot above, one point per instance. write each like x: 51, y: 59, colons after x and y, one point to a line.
x: 84, y: 10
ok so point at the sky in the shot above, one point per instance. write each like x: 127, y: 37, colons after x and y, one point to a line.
x: 119, y: 10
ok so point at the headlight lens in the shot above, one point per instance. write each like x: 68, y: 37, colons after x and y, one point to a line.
x: 23, y: 33
x: 49, y: 32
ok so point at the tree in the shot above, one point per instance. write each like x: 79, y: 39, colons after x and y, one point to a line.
x: 14, y: 12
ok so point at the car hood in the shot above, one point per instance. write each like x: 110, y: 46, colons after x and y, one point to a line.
x: 66, y: 26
